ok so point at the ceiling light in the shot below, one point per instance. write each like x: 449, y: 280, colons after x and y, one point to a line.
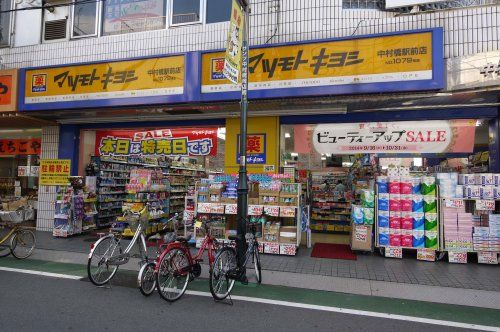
x: 287, y: 135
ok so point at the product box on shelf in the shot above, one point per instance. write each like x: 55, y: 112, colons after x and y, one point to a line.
x: 428, y: 187
x: 288, y: 234
x: 383, y: 219
x: 271, y: 232
x: 383, y: 202
x: 418, y: 238
x: 383, y: 236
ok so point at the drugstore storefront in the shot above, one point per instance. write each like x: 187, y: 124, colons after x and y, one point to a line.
x: 291, y: 89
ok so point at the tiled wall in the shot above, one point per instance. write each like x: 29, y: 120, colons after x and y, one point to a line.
x: 47, y: 194
x: 467, y: 30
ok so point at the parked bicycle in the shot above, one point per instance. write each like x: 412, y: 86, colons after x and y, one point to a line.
x: 22, y: 241
x: 176, y: 266
x: 146, y: 279
x: 225, y: 271
x: 106, y: 255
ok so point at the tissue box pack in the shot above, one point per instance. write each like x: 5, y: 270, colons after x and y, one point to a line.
x: 418, y: 239
x: 407, y: 221
x: 430, y: 204
x: 383, y: 202
x: 368, y: 216
x: 428, y: 185
x: 395, y: 221
x: 395, y: 240
x: 487, y: 192
x: 368, y: 198
x: 431, y: 239
x: 357, y: 214
x: 406, y: 203
x: 496, y: 192
x: 383, y: 184
x: 472, y: 191
x: 416, y: 185
x: 405, y: 186
x: 466, y: 179
x: 417, y: 203
x: 383, y: 238
x: 418, y: 221
x: 431, y: 223
x: 394, y: 186
x: 496, y: 179
x: 407, y: 240
x: 485, y: 179
x: 383, y: 219
x: 394, y: 204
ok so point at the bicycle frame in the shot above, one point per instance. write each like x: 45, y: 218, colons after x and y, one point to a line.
x: 125, y: 257
x: 9, y: 234
x: 208, y: 243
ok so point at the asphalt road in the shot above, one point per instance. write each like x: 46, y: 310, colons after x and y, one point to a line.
x: 38, y: 303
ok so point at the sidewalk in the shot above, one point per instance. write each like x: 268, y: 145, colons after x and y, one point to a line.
x: 471, y: 284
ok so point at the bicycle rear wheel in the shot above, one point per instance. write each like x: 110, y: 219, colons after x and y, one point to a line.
x: 22, y: 243
x: 256, y: 263
x: 98, y: 269
x: 173, y: 274
x: 220, y: 285
x: 147, y: 279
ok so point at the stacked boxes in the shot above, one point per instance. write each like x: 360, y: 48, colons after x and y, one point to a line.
x: 364, y: 214
x: 407, y: 211
x: 480, y: 186
x: 487, y: 238
x: 457, y: 229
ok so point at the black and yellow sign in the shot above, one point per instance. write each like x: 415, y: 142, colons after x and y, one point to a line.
x: 54, y: 172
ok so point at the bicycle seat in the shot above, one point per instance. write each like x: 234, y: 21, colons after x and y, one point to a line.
x: 183, y: 238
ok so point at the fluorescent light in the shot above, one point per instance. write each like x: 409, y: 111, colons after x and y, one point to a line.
x: 287, y: 135
x: 294, y: 154
x: 417, y: 162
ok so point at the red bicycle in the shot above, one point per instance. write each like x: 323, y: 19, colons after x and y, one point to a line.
x: 176, y: 266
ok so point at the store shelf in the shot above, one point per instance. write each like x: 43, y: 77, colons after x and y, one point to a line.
x: 111, y: 178
x: 110, y: 208
x: 114, y: 170
x: 110, y: 216
x: 188, y: 169
x: 112, y: 185
x: 330, y: 232
x: 112, y: 200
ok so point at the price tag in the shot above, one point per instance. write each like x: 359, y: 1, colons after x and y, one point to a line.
x: 231, y: 209
x: 394, y: 252
x: 255, y: 210
x: 487, y: 257
x: 288, y: 249
x: 360, y: 233
x: 272, y: 210
x: 459, y: 257
x: 287, y: 211
x: 454, y: 203
x: 204, y: 207
x: 485, y: 205
x: 271, y: 248
x: 426, y: 255
x: 217, y: 209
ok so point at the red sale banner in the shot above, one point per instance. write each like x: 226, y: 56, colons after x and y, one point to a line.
x: 162, y: 142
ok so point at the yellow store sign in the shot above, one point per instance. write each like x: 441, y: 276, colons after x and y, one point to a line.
x: 54, y: 172
x: 405, y: 57
x: 134, y: 78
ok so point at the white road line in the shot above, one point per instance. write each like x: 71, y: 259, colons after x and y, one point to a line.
x: 357, y: 312
x: 299, y: 305
x: 41, y: 273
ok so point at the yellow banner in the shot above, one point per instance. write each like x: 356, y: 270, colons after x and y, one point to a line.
x: 54, y: 172
x: 232, y: 64
x: 134, y: 78
x: 364, y: 60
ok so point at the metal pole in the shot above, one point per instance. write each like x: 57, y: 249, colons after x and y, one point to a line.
x: 241, y: 245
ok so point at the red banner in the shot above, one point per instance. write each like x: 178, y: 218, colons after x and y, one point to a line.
x: 160, y: 142
x: 20, y: 146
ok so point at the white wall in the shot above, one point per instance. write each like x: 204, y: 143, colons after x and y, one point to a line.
x: 28, y: 26
x: 467, y: 31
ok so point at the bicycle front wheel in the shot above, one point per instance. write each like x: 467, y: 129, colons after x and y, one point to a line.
x: 220, y: 285
x: 4, y: 250
x: 22, y: 244
x: 98, y: 268
x: 173, y: 274
x: 147, y: 279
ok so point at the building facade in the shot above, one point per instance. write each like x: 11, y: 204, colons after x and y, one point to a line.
x: 463, y: 81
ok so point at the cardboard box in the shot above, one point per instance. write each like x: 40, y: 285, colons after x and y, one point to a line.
x: 288, y: 234
x: 271, y: 233
x: 361, y: 237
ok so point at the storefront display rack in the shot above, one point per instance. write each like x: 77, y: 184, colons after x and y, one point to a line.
x: 147, y: 187
x: 279, y: 230
x: 74, y: 212
x: 330, y: 211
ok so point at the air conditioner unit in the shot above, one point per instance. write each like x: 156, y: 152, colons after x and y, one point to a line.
x: 55, y: 22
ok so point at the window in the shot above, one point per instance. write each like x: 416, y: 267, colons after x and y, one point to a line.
x: 123, y: 16
x: 5, y: 22
x: 186, y: 12
x: 85, y: 16
x: 218, y: 11
x: 362, y: 4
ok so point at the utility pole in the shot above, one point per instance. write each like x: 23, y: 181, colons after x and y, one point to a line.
x: 242, y: 212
